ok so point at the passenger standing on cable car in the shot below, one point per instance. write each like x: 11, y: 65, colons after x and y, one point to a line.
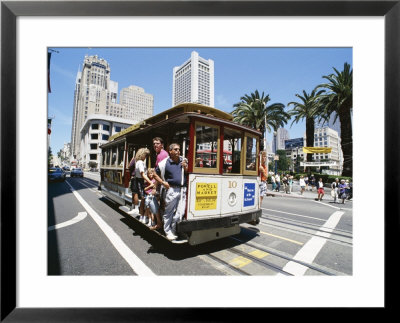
x: 135, y: 199
x: 169, y: 174
x: 158, y: 145
x: 140, y: 177
x: 263, y: 176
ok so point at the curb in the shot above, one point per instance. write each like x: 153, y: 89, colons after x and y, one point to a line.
x: 292, y: 195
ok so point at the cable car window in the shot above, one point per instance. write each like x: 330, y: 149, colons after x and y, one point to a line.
x: 207, y: 146
x: 120, y: 155
x: 251, y: 154
x: 114, y: 156
x: 104, y: 159
x: 232, y: 150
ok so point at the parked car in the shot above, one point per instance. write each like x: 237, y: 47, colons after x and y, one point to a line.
x: 56, y: 174
x: 66, y: 168
x: 77, y: 172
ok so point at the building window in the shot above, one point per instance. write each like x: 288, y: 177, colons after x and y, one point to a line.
x: 117, y: 129
x: 95, y: 126
x: 105, y: 137
x: 94, y: 136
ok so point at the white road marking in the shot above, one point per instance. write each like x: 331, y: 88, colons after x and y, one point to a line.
x: 313, y: 246
x: 89, y: 187
x: 303, y: 216
x: 79, y: 217
x: 332, y: 206
x: 134, y: 262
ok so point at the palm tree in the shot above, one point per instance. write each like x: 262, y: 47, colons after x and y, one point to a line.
x: 308, y: 108
x: 339, y: 99
x: 253, y: 111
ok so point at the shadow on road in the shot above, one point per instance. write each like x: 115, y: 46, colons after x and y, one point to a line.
x: 160, y: 245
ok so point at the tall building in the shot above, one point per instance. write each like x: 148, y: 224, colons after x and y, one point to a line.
x: 327, y: 137
x: 139, y: 105
x: 193, y: 81
x: 281, y: 135
x: 95, y: 96
x: 330, y: 123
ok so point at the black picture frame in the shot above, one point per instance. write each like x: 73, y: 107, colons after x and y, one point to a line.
x: 10, y: 10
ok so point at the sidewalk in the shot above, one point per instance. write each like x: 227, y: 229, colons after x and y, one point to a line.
x: 296, y: 193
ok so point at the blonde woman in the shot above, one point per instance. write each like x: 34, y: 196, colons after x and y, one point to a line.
x: 140, y: 177
x: 263, y: 176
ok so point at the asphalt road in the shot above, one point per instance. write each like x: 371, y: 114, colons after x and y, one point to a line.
x: 88, y: 235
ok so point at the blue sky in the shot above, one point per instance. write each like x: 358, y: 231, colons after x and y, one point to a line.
x: 279, y: 72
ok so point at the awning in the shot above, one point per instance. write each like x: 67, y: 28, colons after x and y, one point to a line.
x: 317, y: 150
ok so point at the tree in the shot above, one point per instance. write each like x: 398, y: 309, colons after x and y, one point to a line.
x: 339, y: 99
x: 309, y: 107
x: 253, y: 110
x: 283, y: 164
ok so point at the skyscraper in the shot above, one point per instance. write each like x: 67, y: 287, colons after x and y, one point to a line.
x: 281, y: 135
x: 139, y: 105
x: 193, y: 81
x: 92, y: 95
x: 95, y: 101
x: 332, y: 125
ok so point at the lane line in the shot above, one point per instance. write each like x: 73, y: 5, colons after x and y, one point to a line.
x: 303, y: 216
x: 134, y: 262
x: 276, y: 236
x: 332, y: 206
x: 91, y: 188
x: 313, y: 246
x: 79, y: 217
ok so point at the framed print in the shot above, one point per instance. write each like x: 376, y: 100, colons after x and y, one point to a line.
x: 57, y: 21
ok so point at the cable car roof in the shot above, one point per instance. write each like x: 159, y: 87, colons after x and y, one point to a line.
x: 180, y: 109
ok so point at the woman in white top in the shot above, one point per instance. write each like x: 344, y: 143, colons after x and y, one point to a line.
x: 140, y: 177
x: 302, y: 185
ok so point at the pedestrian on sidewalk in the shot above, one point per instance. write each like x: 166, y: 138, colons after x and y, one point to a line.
x: 347, y: 189
x: 290, y: 182
x: 285, y: 184
x: 306, y: 181
x: 342, y: 190
x: 273, y: 182
x: 334, y: 191
x: 312, y: 182
x: 302, y: 185
x: 278, y: 182
x: 320, y: 189
x: 350, y: 191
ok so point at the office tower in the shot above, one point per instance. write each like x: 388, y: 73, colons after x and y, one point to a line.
x: 281, y: 135
x: 330, y: 123
x: 193, y: 81
x: 75, y: 113
x: 138, y: 104
x: 327, y: 137
x: 92, y: 95
x: 95, y: 98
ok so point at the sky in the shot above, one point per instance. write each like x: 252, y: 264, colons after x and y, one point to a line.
x: 280, y: 73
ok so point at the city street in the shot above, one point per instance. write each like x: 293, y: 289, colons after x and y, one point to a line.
x: 297, y: 235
